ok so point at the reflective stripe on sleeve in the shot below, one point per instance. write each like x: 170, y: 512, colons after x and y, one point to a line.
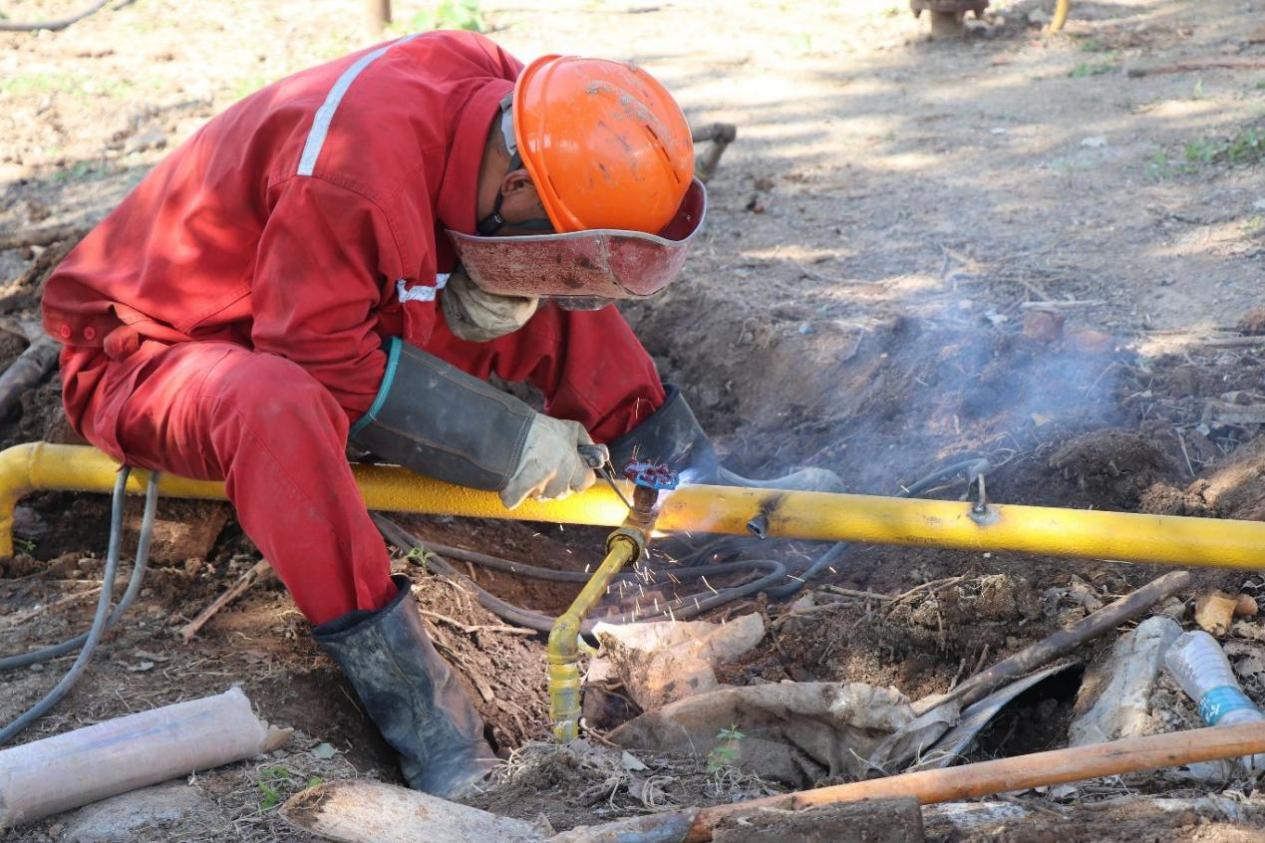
x: 325, y: 114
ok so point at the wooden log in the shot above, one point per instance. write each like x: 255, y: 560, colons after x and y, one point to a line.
x: 377, y: 16
x: 56, y: 774
x: 26, y: 373
x: 372, y: 812
x: 720, y: 135
x: 878, y: 821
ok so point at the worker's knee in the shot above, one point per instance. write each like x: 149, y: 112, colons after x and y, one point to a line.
x: 271, y: 397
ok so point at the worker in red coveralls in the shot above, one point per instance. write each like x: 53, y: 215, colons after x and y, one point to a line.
x: 342, y: 259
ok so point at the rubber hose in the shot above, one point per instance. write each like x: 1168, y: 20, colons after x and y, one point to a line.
x: 103, y: 614
x: 133, y: 587
x: 689, y: 606
x: 496, y: 563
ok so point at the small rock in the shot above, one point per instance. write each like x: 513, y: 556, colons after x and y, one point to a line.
x: 154, y: 139
x: 1095, y: 142
x: 631, y: 762
x: 1245, y: 606
x: 1259, y: 204
x: 324, y: 751
x: 1214, y: 612
x: 1039, y: 17
x: 135, y: 816
x: 1089, y: 341
x: 27, y: 523
x: 1042, y: 325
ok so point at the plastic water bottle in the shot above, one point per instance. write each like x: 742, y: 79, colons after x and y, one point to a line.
x: 1200, y: 667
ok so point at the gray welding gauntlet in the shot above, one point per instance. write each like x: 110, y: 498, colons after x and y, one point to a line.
x: 673, y: 435
x: 411, y: 694
x: 437, y: 420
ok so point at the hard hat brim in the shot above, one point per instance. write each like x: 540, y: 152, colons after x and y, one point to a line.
x: 600, y: 263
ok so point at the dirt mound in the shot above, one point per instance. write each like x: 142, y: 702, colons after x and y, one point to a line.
x: 919, y: 643
x: 1116, y: 466
x: 1252, y: 323
x: 1236, y: 489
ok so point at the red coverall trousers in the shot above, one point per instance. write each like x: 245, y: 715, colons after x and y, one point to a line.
x: 277, y: 437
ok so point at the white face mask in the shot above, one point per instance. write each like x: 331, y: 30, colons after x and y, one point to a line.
x: 478, y: 316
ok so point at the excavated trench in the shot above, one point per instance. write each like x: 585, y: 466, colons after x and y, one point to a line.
x: 882, y: 403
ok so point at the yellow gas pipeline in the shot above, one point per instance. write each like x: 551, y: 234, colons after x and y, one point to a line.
x: 721, y: 509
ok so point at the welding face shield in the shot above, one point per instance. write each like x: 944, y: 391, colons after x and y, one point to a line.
x: 584, y: 270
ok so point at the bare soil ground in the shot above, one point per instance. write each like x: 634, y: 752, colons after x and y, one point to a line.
x: 1022, y: 247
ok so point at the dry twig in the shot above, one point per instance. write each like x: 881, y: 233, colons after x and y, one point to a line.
x: 261, y: 570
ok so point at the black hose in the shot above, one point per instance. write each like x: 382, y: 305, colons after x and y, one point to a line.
x: 103, y: 617
x: 973, y: 468
x: 679, y: 608
x: 52, y: 25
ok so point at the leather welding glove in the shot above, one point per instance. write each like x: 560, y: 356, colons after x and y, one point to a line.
x: 478, y: 316
x: 433, y: 418
x: 551, y: 466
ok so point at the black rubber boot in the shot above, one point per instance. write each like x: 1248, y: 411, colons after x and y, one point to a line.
x: 673, y: 436
x: 411, y: 694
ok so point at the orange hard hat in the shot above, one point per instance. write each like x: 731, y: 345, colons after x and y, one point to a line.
x: 605, y: 144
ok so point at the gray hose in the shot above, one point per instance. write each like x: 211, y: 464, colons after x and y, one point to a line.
x: 103, y: 618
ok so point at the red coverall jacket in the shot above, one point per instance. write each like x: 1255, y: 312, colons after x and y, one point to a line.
x: 305, y: 223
